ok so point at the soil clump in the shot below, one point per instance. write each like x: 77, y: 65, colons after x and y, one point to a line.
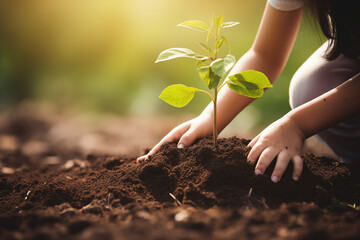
x: 199, y: 192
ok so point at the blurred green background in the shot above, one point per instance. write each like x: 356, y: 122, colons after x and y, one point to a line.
x: 98, y: 55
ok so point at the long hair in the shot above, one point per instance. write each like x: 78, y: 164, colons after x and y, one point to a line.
x: 340, y: 23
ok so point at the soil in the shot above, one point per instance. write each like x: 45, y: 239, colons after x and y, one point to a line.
x: 199, y: 192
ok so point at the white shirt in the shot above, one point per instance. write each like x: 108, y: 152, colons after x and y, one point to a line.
x: 286, y: 5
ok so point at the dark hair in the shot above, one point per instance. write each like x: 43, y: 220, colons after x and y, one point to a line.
x: 340, y: 23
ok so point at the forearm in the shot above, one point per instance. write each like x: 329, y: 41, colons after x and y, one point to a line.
x: 231, y: 103
x: 336, y: 105
x: 268, y: 54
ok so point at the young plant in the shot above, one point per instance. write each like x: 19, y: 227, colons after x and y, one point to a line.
x: 212, y: 69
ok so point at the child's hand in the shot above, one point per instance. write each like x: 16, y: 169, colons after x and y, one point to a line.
x: 283, y: 139
x: 186, y: 133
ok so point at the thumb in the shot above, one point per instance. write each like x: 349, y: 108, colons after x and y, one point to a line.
x: 187, y: 139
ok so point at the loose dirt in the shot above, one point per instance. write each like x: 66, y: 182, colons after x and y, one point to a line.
x: 198, y: 192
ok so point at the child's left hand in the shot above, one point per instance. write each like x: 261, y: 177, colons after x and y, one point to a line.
x: 283, y: 139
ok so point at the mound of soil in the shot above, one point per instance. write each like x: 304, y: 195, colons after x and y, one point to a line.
x: 198, y: 192
x: 205, y: 176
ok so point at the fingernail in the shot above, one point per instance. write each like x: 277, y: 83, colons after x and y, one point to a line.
x: 142, y: 158
x: 180, y: 145
x: 257, y: 172
x: 296, y: 178
x: 275, y: 179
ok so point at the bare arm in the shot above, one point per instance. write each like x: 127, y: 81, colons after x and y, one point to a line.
x: 268, y: 54
x: 284, y: 138
x: 334, y: 106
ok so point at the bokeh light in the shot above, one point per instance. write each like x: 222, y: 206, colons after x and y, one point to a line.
x: 98, y: 56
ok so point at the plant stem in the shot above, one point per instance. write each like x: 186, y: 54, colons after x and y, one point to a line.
x: 223, y: 84
x: 216, y: 48
x: 208, y: 35
x: 214, y: 117
x: 212, y: 98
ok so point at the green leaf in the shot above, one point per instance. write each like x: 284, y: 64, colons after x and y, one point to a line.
x: 172, y: 53
x: 200, y: 63
x: 209, y: 32
x: 195, y: 25
x: 200, y: 57
x: 204, y: 73
x: 336, y: 203
x: 205, y: 47
x: 227, y: 43
x: 218, y: 67
x: 178, y: 95
x: 249, y: 83
x: 222, y: 65
x: 209, y: 77
x: 219, y: 43
x: 214, y: 80
x: 217, y: 22
x: 243, y: 90
x: 229, y: 24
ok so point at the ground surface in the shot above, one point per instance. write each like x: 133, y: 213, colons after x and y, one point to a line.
x: 62, y: 180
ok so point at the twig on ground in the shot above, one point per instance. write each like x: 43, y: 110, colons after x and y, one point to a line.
x: 27, y: 195
x: 177, y: 201
x: 108, y: 200
x: 250, y: 191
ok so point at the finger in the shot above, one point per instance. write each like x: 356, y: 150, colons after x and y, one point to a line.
x: 255, y: 152
x: 187, y: 139
x: 168, y: 138
x: 282, y: 162
x: 298, y: 167
x: 154, y: 149
x: 142, y: 158
x: 254, y: 141
x: 172, y: 136
x: 157, y: 146
x: 266, y: 157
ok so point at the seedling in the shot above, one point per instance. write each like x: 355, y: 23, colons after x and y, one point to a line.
x: 212, y: 69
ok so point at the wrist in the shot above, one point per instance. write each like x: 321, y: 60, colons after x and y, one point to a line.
x: 295, y: 124
x: 207, y: 119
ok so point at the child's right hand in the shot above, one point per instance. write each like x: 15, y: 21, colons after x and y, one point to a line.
x: 186, y: 133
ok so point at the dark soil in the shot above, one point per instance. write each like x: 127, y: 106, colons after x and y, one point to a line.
x: 198, y: 192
